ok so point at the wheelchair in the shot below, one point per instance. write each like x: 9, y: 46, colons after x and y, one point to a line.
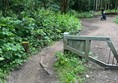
x: 103, y: 17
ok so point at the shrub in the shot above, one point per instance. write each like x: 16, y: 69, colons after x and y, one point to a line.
x: 116, y: 20
x: 39, y: 28
x: 81, y: 14
x: 69, y: 68
x: 112, y: 11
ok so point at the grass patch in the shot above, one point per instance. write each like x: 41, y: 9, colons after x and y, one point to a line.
x: 70, y: 68
x: 116, y: 20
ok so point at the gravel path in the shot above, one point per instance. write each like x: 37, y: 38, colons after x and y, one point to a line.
x: 32, y: 72
x: 95, y: 27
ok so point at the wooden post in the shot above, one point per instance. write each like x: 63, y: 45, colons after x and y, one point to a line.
x: 87, y: 48
x: 64, y: 5
x: 26, y: 46
x: 65, y: 41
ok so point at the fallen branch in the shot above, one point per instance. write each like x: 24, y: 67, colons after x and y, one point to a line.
x: 44, y: 67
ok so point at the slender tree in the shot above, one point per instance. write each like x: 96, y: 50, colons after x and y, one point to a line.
x: 64, y: 5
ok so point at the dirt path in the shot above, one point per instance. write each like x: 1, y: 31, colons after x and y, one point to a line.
x: 32, y: 72
x: 95, y: 27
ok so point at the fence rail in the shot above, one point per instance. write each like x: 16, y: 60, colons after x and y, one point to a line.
x: 81, y: 45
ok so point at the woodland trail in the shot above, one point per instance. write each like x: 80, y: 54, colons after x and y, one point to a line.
x: 96, y: 27
x: 32, y: 72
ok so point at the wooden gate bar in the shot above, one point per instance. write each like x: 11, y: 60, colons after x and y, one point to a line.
x: 75, y: 51
x: 106, y: 66
x: 87, y: 47
x: 110, y: 44
x: 97, y: 61
x: 96, y: 38
x: 85, y: 50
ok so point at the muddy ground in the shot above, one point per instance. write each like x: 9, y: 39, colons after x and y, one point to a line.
x: 32, y: 72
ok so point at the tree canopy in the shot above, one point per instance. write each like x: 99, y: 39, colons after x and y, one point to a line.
x: 63, y: 5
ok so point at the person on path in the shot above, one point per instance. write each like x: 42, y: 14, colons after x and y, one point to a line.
x: 103, y: 17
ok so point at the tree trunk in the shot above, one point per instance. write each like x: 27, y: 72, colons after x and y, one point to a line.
x: 89, y: 3
x: 64, y: 5
x: 5, y: 6
x: 105, y: 4
x: 96, y: 7
x: 44, y: 4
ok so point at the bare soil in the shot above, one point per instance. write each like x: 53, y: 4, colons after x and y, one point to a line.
x: 96, y: 27
x: 32, y: 72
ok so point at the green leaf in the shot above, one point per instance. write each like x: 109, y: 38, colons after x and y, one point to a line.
x: 1, y: 58
x: 1, y: 51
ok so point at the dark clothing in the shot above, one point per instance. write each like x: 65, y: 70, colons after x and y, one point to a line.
x: 103, y: 14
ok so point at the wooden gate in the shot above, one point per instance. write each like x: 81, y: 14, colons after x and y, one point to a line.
x: 81, y: 45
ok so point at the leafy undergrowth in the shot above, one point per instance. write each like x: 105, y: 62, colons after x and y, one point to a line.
x: 70, y: 68
x: 91, y: 13
x: 112, y: 11
x: 116, y: 20
x: 108, y: 12
x: 39, y: 28
x: 81, y: 14
x: 85, y: 14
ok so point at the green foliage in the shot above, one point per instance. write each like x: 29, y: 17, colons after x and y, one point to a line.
x: 69, y: 68
x: 10, y: 47
x: 39, y: 28
x: 86, y: 14
x: 116, y: 20
x: 18, y: 6
x: 112, y: 11
x: 3, y: 74
x: 81, y: 14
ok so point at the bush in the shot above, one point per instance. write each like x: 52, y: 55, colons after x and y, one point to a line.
x: 86, y: 14
x: 10, y: 47
x: 69, y: 68
x: 39, y: 28
x: 112, y: 11
x: 81, y: 14
x: 116, y: 20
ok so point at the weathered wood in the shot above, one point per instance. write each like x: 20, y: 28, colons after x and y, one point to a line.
x: 111, y: 67
x: 44, y: 67
x: 75, y: 51
x: 106, y: 66
x: 26, y: 46
x: 97, y: 61
x: 110, y: 44
x: 81, y: 46
x: 65, y: 40
x: 96, y: 38
x: 87, y: 47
